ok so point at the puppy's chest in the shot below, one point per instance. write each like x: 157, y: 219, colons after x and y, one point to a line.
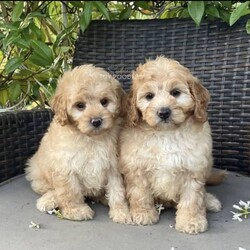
x: 171, y: 152
x: 90, y: 162
x: 170, y: 159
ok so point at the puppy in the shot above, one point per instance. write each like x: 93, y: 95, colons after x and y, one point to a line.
x: 166, y: 145
x: 77, y: 157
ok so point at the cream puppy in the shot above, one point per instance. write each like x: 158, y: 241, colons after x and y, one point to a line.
x: 77, y: 157
x: 166, y: 146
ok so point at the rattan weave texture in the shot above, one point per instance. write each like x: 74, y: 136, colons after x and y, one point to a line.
x: 217, y: 54
x: 20, y: 133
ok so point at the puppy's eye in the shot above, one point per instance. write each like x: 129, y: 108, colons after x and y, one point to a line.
x: 175, y: 92
x: 149, y: 96
x: 104, y: 102
x: 80, y: 106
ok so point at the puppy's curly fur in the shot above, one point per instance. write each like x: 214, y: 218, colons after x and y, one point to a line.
x: 166, y: 145
x: 77, y: 157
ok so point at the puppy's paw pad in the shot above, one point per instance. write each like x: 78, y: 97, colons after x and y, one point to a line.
x: 192, y: 226
x: 146, y: 217
x: 79, y: 212
x: 120, y: 216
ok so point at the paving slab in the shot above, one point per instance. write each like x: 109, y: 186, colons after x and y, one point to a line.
x: 17, y: 210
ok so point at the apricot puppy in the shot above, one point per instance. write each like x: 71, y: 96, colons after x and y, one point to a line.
x: 77, y: 157
x: 166, y: 146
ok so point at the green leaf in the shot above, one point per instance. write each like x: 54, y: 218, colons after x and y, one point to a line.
x: 14, y: 91
x: 184, y: 13
x: 126, y: 13
x: 88, y: 12
x: 212, y: 11
x: 35, y: 90
x: 224, y: 15
x: 22, y: 43
x: 82, y: 23
x: 3, y: 97
x: 12, y: 37
x: 1, y: 56
x: 196, y: 10
x: 51, y: 24
x: 102, y: 8
x: 53, y: 83
x: 86, y: 16
x: 13, y: 64
x: 248, y: 26
x: 17, y: 11
x: 42, y: 50
x: 2, y: 36
x: 7, y: 26
x: 240, y: 11
x: 35, y: 31
x: 39, y: 61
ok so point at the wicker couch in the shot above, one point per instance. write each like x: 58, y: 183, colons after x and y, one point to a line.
x: 216, y: 53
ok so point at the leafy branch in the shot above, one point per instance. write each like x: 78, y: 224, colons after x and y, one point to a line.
x: 37, y: 37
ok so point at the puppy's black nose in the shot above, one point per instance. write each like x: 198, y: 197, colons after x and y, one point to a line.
x: 164, y: 113
x: 96, y: 122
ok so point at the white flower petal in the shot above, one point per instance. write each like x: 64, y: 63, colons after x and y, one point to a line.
x: 246, y: 205
x: 237, y: 207
x: 34, y: 225
x: 159, y: 207
x: 236, y: 216
x: 242, y: 203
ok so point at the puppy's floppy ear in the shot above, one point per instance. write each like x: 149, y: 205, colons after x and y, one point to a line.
x: 121, y: 96
x: 201, y: 97
x: 133, y: 115
x: 123, y: 101
x: 59, y: 107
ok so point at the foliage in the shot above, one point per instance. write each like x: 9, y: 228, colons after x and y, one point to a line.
x: 37, y: 37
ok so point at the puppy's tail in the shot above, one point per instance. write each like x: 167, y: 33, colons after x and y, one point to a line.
x: 216, y: 178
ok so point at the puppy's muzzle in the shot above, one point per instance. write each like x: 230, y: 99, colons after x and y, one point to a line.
x: 96, y: 122
x: 164, y: 113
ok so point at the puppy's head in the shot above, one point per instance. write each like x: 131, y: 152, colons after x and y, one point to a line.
x: 89, y: 98
x: 164, y: 93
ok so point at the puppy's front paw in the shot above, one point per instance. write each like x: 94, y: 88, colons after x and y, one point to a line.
x: 77, y: 212
x: 144, y: 217
x: 46, y: 203
x: 191, y: 225
x: 120, y: 215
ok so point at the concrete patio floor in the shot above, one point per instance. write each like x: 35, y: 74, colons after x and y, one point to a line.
x: 17, y: 210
